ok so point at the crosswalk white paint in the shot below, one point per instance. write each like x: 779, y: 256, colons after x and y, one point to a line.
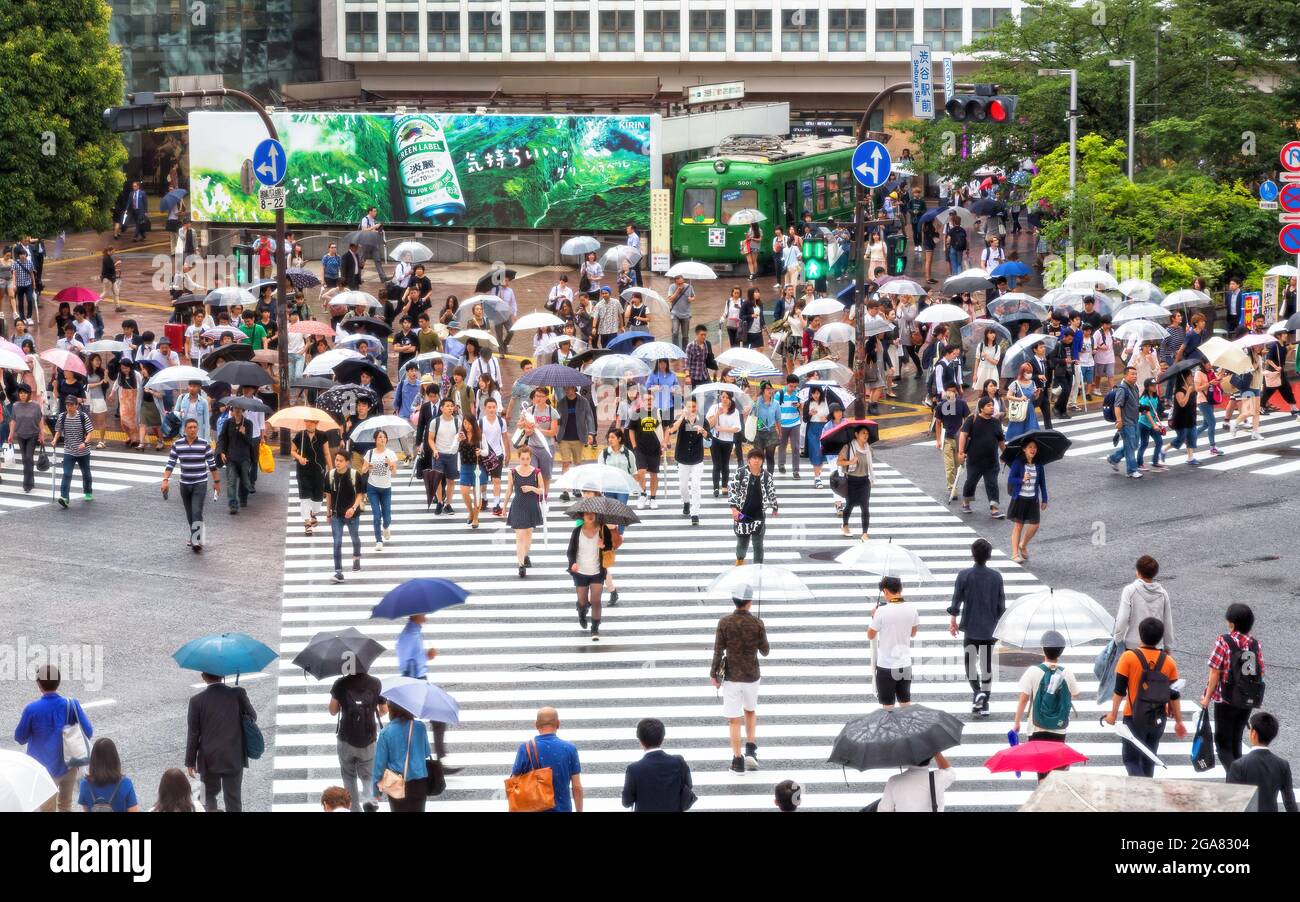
x: 110, y: 471
x: 516, y: 646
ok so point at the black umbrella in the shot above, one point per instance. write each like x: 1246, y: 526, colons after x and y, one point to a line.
x: 363, y: 238
x: 341, y: 401
x: 244, y: 403
x: 577, y: 361
x: 1182, y: 366
x: 367, y: 324
x: 839, y: 435
x: 1293, y: 323
x: 217, y: 390
x: 222, y: 354
x: 986, y: 206
x: 242, y: 372
x: 301, y: 279
x: 895, y: 738
x: 351, y: 370
x: 338, y: 653
x: 492, y: 278
x: 312, y: 382
x: 1051, y: 444
x: 1009, y: 320
x: 610, y: 510
x: 555, y: 375
x: 186, y: 300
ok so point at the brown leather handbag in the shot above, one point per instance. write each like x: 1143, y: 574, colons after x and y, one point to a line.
x: 532, y: 790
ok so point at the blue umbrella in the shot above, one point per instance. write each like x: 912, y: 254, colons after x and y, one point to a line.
x: 423, y: 700
x: 224, y: 654
x: 419, y: 596
x: 625, y: 337
x: 1012, y: 268
x: 172, y: 199
x: 555, y: 375
x: 933, y: 213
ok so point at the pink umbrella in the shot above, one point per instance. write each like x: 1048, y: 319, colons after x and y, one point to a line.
x: 77, y: 295
x: 64, y: 360
x: 312, y: 327
x: 12, y: 348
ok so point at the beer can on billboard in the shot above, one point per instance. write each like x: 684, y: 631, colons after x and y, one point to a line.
x: 424, y: 165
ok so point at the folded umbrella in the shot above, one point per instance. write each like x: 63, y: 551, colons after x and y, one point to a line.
x: 424, y: 701
x: 609, y: 510
x: 1035, y: 756
x: 555, y: 375
x: 241, y: 372
x: 224, y: 654
x: 1123, y: 732
x: 338, y: 653
x: 25, y: 784
x: 419, y: 596
x: 1052, y: 446
x: 901, y: 737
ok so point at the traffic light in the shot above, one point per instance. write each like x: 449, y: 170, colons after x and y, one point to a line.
x: 814, y: 259
x: 985, y: 105
x: 143, y: 114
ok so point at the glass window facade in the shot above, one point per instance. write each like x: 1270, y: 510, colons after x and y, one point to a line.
x: 257, y: 45
x: 943, y: 28
x: 753, y: 30
x: 572, y: 31
x: 663, y: 30
x: 484, y: 35
x: 847, y: 30
x: 799, y: 30
x: 709, y: 30
x: 528, y: 32
x: 894, y: 29
x: 361, y: 32
x: 618, y: 31
x: 984, y: 20
x: 444, y: 32
x: 403, y: 32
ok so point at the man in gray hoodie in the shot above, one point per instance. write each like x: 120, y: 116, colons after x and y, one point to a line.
x: 1142, y: 598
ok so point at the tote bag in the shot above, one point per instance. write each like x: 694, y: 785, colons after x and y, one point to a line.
x: 532, y: 790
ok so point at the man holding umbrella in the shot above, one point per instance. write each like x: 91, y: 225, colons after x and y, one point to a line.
x: 235, y: 446
x: 196, y: 459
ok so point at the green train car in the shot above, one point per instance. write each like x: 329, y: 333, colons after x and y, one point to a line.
x: 781, y: 177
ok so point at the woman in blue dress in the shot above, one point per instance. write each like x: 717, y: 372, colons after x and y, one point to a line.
x: 1022, y: 387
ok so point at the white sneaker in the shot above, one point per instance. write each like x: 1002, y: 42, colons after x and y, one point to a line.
x: 640, y: 503
x: 1232, y: 429
x: 387, y: 533
x: 1257, y: 437
x: 654, y: 503
x: 379, y: 546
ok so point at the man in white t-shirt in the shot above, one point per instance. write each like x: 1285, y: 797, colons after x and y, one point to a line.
x: 912, y: 789
x: 1047, y: 677
x: 893, y: 625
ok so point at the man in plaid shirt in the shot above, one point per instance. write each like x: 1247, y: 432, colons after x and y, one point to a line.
x: 1230, y: 720
x: 699, y: 353
x: 25, y: 295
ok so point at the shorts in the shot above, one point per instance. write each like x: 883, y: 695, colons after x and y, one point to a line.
x: 647, y: 462
x: 447, y: 464
x: 582, y: 580
x: 467, y: 474
x: 1023, y: 510
x: 737, y: 698
x: 570, y: 450
x: 894, y: 685
x: 1104, y: 369
x: 1087, y: 373
x: 98, y: 405
x: 1247, y: 393
x: 332, y: 281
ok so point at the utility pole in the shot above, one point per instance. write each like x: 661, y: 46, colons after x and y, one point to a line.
x: 1073, y: 115
x: 281, y: 306
x: 1132, y: 107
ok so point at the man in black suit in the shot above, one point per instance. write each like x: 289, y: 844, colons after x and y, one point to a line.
x: 659, y: 781
x: 1261, y: 768
x: 350, y: 269
x: 1232, y: 306
x: 215, y: 744
x: 1062, y: 361
x: 1043, y: 382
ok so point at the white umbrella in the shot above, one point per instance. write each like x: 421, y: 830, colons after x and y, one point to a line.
x: 690, y: 269
x: 228, y: 296
x: 414, y: 250
x: 658, y: 350
x: 757, y: 372
x: 11, y: 361
x: 1123, y: 731
x: 553, y: 343
x: 217, y: 332
x: 577, y: 247
x: 823, y: 307
x: 323, y: 364
x: 1253, y: 340
x: 902, y: 288
x: 477, y: 335
x: 877, y: 327
x: 1068, y: 296
x: 942, y: 313
x: 1140, y: 311
x: 1020, y: 351
x: 1072, y: 614
x: 834, y: 332
x: 110, y: 346
x: 539, y: 320
x: 736, y: 357
x: 596, y: 478
x: 964, y: 215
x: 1141, y: 290
x: 618, y: 367
x: 974, y: 279
x: 495, y: 310
x: 396, y: 427
x: 430, y: 356
x: 25, y: 784
x: 712, y: 388
x: 1091, y: 279
x: 1187, y: 297
x: 1141, y: 330
x: 353, y: 299
x: 1224, y: 354
x: 817, y: 366
x: 174, y: 377
x: 759, y: 582
x: 974, y: 331
x: 648, y: 293
x: 615, y: 257
x: 1285, y: 270
x: 886, y: 558
x: 1276, y: 329
x: 747, y: 216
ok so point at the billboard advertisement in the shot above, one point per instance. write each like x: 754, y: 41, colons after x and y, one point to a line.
x: 430, y: 170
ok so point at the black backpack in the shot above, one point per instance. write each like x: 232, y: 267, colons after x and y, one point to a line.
x: 359, y: 714
x: 1243, y: 687
x: 1155, y: 689
x: 957, y: 235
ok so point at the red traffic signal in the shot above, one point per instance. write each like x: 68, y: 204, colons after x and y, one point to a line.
x: 999, y: 108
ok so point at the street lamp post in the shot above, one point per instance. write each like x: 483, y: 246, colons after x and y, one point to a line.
x: 281, y: 306
x: 1132, y: 106
x: 1073, y: 115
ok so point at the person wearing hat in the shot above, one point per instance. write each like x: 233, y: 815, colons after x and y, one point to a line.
x: 1050, y: 677
x: 74, y: 427
x: 26, y: 429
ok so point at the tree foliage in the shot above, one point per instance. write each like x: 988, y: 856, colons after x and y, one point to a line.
x: 60, y: 168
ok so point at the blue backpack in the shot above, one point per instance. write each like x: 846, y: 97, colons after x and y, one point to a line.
x: 1108, y: 404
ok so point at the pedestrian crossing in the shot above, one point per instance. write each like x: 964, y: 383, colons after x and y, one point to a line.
x: 516, y: 646
x: 1275, y: 453
x: 110, y: 471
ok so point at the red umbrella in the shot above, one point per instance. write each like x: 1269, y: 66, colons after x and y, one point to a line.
x: 1036, y: 756
x: 64, y: 360
x: 834, y: 440
x: 312, y: 327
x: 77, y: 295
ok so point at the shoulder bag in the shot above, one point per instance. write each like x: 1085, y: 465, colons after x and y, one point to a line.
x: 254, y: 741
x: 393, y: 784
x: 76, y: 747
x: 532, y: 790
x: 1017, y: 407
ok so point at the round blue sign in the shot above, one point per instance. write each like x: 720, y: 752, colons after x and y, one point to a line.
x: 1268, y: 191
x: 269, y: 163
x: 871, y: 164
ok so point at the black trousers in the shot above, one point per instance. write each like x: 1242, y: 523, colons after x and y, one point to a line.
x: 228, y: 785
x: 858, y: 494
x: 417, y: 793
x: 193, y: 497
x: 1064, y: 379
x: 1229, y: 726
x: 979, y: 664
x: 27, y: 448
x: 1136, y: 763
x: 720, y: 454
x: 1044, y: 403
x: 973, y: 476
x: 1045, y: 736
x: 1284, y: 390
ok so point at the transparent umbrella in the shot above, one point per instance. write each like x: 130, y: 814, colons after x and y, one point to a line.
x: 883, y: 557
x: 1141, y: 330
x: 1072, y: 614
x: 617, y: 367
x: 658, y: 350
x: 596, y: 478
x: 759, y: 582
x: 1140, y: 310
x: 1091, y: 279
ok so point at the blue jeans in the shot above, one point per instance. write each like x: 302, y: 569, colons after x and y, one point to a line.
x: 954, y: 261
x: 1207, y: 419
x: 239, y: 476
x: 70, y: 461
x: 336, y: 529
x: 1128, y: 449
x: 1148, y: 434
x: 618, y: 496
x: 381, y: 509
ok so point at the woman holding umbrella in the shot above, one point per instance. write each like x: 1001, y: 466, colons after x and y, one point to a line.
x: 1026, y: 485
x: 724, y: 423
x: 311, y: 454
x: 987, y: 357
x: 527, y: 486
x: 1021, y: 417
x: 402, y: 748
x: 588, y: 544
x: 473, y: 475
x: 855, y: 460
x: 816, y: 412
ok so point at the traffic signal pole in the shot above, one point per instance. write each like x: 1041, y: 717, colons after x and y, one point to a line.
x: 281, y: 306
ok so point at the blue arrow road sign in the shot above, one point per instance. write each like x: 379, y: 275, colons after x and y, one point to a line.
x: 269, y: 162
x: 1268, y: 191
x: 871, y: 164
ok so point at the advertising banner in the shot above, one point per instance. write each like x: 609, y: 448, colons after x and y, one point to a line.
x: 431, y: 169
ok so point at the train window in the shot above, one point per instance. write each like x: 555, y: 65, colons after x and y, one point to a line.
x: 833, y: 190
x: 819, y: 194
x: 846, y: 189
x: 806, y: 203
x: 734, y: 199
x: 700, y: 205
